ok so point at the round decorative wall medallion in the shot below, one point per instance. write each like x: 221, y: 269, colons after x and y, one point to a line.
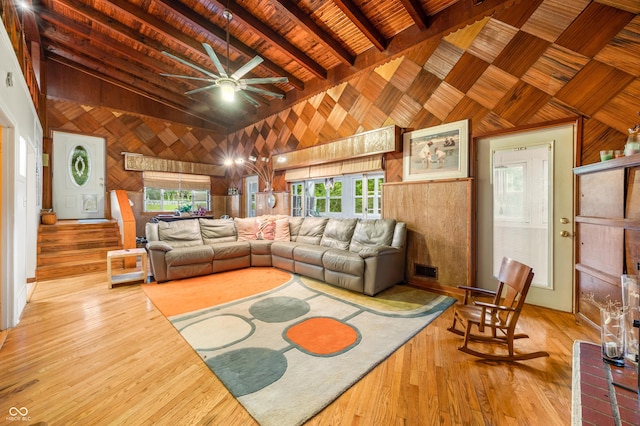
x: 271, y: 200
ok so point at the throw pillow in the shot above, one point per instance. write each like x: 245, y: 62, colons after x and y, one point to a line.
x: 246, y: 228
x: 282, y: 230
x: 265, y: 229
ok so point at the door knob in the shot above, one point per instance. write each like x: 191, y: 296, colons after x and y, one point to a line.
x: 565, y: 234
x: 564, y: 221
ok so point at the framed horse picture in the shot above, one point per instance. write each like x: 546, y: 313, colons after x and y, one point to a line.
x: 440, y: 152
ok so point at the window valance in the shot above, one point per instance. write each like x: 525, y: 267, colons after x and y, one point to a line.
x: 142, y: 163
x: 369, y: 164
x: 366, y: 144
x: 168, y: 180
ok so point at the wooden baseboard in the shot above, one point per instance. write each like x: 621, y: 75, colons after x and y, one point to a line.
x: 31, y: 287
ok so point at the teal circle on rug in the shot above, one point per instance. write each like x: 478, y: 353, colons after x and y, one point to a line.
x: 248, y: 370
x: 279, y: 309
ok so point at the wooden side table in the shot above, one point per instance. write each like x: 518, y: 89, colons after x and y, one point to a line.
x: 130, y: 276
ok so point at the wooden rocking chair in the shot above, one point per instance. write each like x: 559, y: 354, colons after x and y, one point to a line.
x: 499, y: 316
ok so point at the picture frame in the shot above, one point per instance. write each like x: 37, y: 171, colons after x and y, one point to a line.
x: 434, y: 153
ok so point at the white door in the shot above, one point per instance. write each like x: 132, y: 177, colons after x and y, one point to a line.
x: 78, y: 176
x: 525, y: 210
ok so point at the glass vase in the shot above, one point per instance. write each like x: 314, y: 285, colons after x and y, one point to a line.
x: 631, y: 307
x: 612, y: 333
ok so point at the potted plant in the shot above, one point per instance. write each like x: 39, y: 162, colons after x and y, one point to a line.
x: 185, y: 210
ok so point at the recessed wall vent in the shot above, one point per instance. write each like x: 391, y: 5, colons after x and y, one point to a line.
x: 425, y: 271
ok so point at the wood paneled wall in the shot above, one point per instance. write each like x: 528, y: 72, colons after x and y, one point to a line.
x: 534, y: 62
x: 439, y: 231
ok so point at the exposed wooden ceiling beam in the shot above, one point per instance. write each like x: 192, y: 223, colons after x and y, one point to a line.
x: 356, y: 16
x: 220, y: 34
x: 276, y: 39
x: 315, y: 31
x: 417, y: 13
x: 152, y: 47
x: 120, y: 71
x: 92, y: 68
x: 160, y: 26
x: 144, y: 43
x: 133, y: 61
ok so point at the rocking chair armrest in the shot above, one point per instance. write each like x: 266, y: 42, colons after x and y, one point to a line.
x: 493, y: 306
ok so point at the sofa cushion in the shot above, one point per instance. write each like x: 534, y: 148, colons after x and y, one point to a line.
x: 262, y: 247
x: 283, y: 248
x: 246, y: 228
x: 231, y: 250
x: 371, y: 233
x: 180, y: 233
x: 189, y: 255
x: 283, y: 232
x: 295, y: 223
x: 343, y: 261
x: 217, y: 230
x: 307, y: 253
x: 338, y: 233
x: 311, y: 230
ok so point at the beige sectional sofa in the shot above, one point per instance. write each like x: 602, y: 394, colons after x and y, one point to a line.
x: 367, y: 256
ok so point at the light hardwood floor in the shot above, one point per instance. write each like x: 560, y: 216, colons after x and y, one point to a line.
x: 84, y: 354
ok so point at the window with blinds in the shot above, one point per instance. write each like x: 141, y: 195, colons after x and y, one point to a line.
x: 172, y: 192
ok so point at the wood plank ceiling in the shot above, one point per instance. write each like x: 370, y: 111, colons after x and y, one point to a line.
x: 122, y: 42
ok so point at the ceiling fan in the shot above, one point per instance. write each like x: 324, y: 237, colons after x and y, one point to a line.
x: 229, y: 84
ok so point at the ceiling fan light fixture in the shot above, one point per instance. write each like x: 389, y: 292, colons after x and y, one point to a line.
x: 227, y: 90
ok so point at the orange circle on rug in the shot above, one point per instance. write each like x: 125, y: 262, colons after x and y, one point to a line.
x: 323, y: 336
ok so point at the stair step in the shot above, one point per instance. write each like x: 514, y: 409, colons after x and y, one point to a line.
x: 70, y: 269
x: 111, y: 244
x: 77, y: 235
x: 69, y: 226
x: 55, y: 257
x: 70, y: 248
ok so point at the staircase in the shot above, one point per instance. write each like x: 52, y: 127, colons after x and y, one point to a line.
x: 71, y: 247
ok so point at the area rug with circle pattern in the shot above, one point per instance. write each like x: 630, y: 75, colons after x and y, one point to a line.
x: 291, y: 348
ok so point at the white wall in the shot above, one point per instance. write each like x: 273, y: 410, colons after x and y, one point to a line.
x: 20, y: 206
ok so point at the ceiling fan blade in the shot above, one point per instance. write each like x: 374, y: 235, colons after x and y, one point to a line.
x: 257, y: 60
x: 264, y: 92
x: 189, y: 64
x: 214, y: 59
x: 201, y: 89
x: 188, y: 77
x: 266, y: 80
x: 249, y: 99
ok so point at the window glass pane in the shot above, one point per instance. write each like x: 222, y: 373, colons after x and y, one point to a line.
x: 509, y: 192
x: 296, y: 199
x: 358, y: 205
x: 336, y: 191
x: 358, y: 190
x: 152, y: 200
x: 321, y: 205
x: 201, y: 199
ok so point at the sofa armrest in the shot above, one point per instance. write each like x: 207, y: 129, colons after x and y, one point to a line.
x: 377, y: 251
x: 383, y: 270
x: 159, y: 246
x: 157, y: 251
